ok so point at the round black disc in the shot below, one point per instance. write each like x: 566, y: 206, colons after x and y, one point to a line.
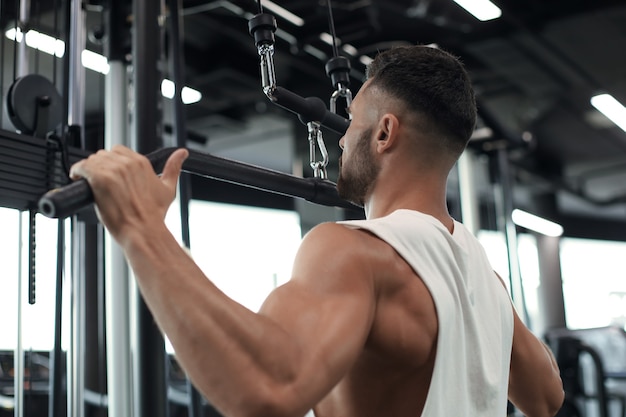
x: 25, y: 99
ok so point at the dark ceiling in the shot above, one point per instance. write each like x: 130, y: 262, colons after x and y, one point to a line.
x: 534, y: 71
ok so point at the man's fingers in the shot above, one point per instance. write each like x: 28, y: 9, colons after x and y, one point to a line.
x: 172, y: 167
x: 170, y: 174
x: 82, y: 169
x: 76, y: 171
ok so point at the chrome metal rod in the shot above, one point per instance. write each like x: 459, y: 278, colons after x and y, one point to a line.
x: 77, y: 41
x: 76, y: 350
x: 22, y: 64
x: 117, y: 304
x: 76, y: 111
x: 18, y: 355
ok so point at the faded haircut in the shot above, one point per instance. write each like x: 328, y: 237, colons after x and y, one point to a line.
x: 433, y: 83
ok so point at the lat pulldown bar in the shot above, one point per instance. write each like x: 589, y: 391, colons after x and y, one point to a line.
x: 69, y: 199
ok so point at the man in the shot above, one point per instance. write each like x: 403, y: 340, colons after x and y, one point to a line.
x: 399, y: 315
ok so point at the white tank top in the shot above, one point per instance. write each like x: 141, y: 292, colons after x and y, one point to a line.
x: 474, y: 312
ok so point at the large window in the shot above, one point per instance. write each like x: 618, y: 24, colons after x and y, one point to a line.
x: 249, y: 251
x: 594, y: 282
x: 246, y: 251
x: 9, y: 238
x: 495, y: 246
x: 38, y: 318
x: 593, y: 274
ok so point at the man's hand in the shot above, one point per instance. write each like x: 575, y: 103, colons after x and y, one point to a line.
x: 127, y: 192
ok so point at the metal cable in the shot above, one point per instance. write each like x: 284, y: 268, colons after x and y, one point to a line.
x: 331, y: 25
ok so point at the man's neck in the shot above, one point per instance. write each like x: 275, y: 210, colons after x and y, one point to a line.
x: 427, y: 203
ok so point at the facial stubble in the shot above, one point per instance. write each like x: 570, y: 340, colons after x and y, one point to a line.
x: 358, y: 175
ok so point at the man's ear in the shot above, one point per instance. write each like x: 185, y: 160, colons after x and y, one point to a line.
x: 387, y: 132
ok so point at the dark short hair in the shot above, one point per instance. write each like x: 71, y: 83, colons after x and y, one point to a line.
x: 431, y: 82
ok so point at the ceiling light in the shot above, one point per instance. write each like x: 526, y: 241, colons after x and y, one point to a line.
x: 188, y: 95
x: 284, y: 13
x: 286, y: 36
x: 37, y: 40
x: 482, y: 133
x: 349, y: 49
x: 94, y: 61
x: 328, y: 39
x: 481, y: 9
x: 56, y: 47
x: 91, y: 60
x: 611, y: 108
x: 366, y: 60
x: 14, y: 34
x: 311, y: 50
x: 536, y: 223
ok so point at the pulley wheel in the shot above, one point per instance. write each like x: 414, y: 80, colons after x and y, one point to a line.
x: 25, y: 100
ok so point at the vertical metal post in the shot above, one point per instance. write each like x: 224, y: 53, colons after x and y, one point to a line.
x: 551, y: 303
x: 149, y: 364
x: 467, y: 191
x: 22, y: 52
x: 2, y: 65
x: 177, y: 65
x: 21, y: 69
x: 18, y: 355
x: 76, y: 45
x: 56, y: 402
x: 504, y: 206
x: 147, y: 126
x: 117, y: 273
x: 76, y: 90
x: 75, y: 354
x: 119, y: 375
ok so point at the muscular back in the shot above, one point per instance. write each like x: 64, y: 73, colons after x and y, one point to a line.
x: 392, y: 374
x: 410, y: 321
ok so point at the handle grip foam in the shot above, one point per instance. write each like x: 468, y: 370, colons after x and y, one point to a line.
x: 67, y: 200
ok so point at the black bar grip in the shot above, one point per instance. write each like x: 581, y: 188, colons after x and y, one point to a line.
x: 69, y: 199
x: 310, y: 109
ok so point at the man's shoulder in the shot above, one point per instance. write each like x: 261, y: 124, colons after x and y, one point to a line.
x: 330, y: 232
x: 337, y: 238
x: 334, y: 238
x: 329, y: 251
